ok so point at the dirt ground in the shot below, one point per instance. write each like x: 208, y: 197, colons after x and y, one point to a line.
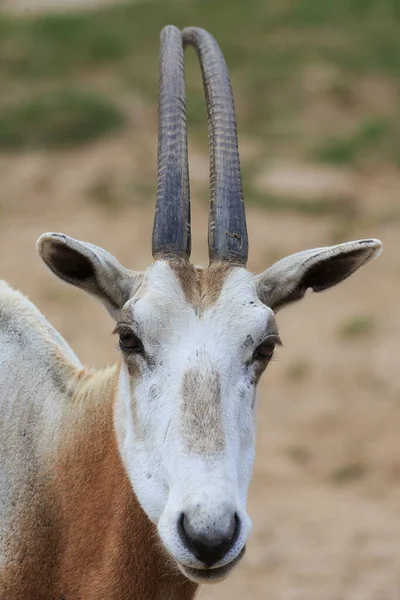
x: 325, y: 498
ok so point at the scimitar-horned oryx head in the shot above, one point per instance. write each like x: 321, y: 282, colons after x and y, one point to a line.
x: 195, y: 341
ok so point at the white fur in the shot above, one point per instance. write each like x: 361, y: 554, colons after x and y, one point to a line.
x: 30, y: 406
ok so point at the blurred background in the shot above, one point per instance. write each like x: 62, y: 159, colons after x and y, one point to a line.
x: 316, y: 85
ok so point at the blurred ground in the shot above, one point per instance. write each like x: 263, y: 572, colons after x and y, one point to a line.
x: 36, y: 6
x: 320, y: 167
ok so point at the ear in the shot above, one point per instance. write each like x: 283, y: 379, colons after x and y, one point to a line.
x: 319, y: 269
x: 90, y: 268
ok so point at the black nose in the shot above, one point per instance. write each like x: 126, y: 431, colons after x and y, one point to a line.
x: 209, y: 546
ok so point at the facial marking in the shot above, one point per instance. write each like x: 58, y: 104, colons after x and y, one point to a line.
x: 201, y: 416
x: 201, y: 287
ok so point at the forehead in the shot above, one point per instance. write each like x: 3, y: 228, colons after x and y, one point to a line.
x: 175, y: 290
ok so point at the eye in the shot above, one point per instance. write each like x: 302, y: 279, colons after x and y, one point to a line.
x: 265, y: 351
x: 129, y: 342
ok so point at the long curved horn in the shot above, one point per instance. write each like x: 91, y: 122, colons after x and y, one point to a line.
x: 171, y: 231
x: 227, y: 234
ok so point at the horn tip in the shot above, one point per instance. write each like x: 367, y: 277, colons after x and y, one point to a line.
x: 169, y: 29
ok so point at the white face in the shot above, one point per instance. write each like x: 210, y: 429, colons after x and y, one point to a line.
x: 185, y: 415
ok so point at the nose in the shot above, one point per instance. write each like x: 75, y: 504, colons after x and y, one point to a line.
x: 209, y: 544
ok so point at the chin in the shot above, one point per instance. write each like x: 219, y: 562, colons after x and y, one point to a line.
x: 213, y: 575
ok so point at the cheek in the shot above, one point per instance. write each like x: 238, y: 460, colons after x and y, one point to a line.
x: 149, y: 410
x: 247, y: 430
x: 143, y: 444
x: 246, y: 470
x: 149, y: 485
x: 247, y: 446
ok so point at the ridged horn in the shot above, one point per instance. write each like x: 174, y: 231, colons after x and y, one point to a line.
x: 227, y: 234
x: 171, y: 231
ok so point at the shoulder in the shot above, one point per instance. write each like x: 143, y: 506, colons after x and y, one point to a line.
x: 24, y: 326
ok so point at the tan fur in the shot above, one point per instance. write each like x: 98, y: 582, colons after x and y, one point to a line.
x: 90, y: 539
x: 211, y: 281
x: 201, y: 287
x: 202, y: 426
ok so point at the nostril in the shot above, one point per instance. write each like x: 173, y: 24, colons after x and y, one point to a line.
x: 237, y: 527
x: 209, y: 546
x: 181, y: 529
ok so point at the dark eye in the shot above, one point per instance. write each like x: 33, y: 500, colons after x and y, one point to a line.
x: 129, y: 342
x: 264, y: 351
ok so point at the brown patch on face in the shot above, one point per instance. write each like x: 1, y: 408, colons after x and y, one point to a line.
x: 187, y: 277
x: 132, y: 363
x: 201, y: 418
x: 202, y: 287
x: 211, y: 281
x: 259, y: 369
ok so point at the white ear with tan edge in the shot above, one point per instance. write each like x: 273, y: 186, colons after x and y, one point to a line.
x: 319, y: 269
x: 88, y: 267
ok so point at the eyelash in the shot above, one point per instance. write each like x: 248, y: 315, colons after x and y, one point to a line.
x: 270, y: 342
x: 136, y: 347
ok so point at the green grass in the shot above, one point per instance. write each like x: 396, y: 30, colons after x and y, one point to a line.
x: 264, y: 41
x: 57, y: 120
x: 266, y: 45
x: 366, y: 141
x: 338, y: 207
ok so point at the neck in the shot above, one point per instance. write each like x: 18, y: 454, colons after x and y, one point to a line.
x: 109, y: 547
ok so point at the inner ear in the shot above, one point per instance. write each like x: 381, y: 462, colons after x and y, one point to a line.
x: 325, y: 274
x: 72, y: 264
x: 90, y: 268
x: 319, y: 269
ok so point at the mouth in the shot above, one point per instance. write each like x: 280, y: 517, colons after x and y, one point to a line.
x: 213, y: 575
